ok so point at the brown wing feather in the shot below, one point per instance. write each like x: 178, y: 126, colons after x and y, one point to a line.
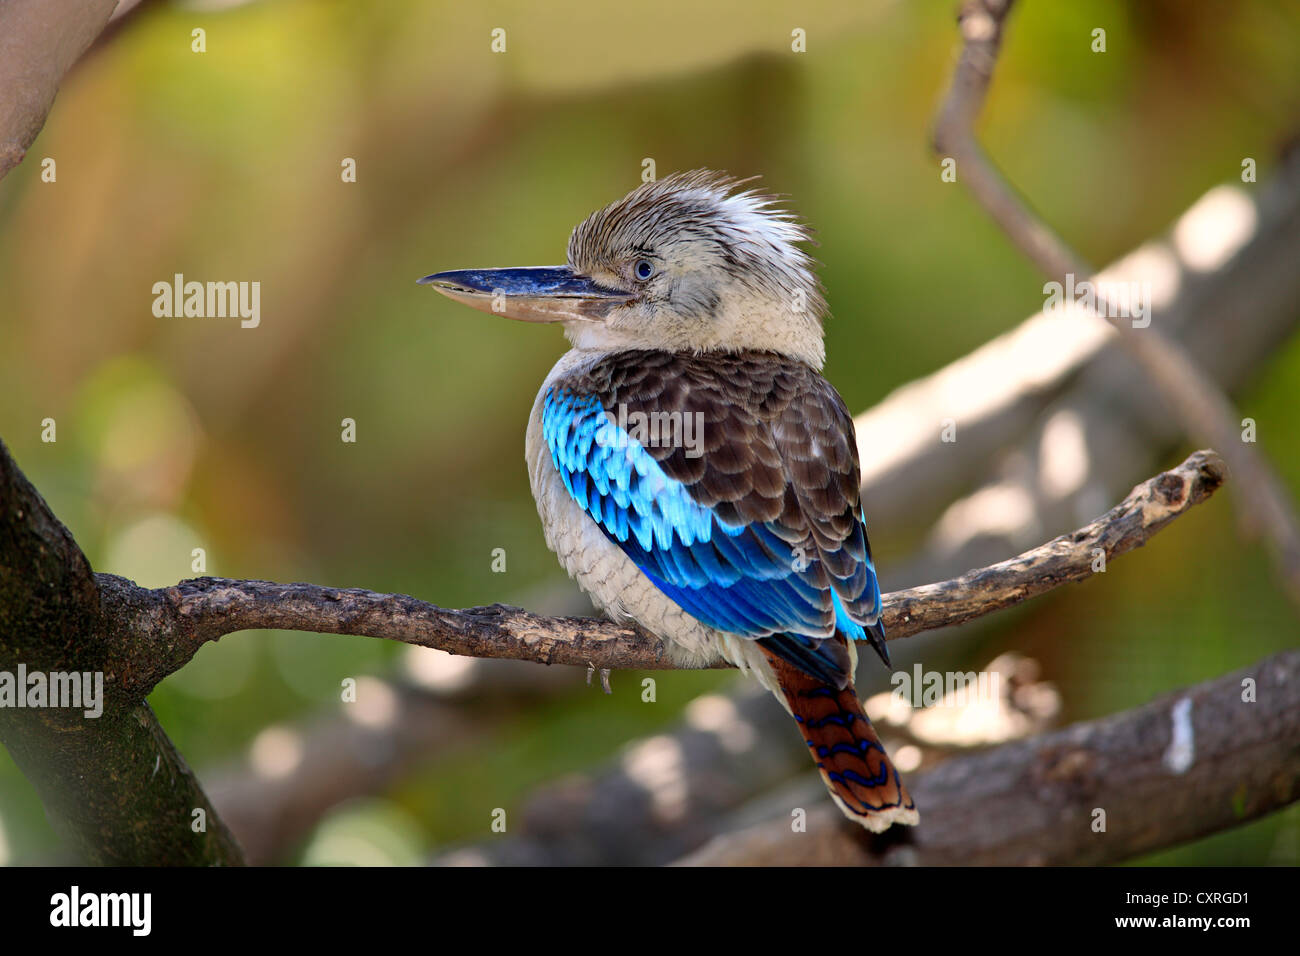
x: 778, y: 446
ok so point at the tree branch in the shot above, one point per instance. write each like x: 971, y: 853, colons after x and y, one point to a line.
x: 1204, y: 759
x: 167, y: 626
x: 1203, y: 409
x: 113, y: 786
x: 39, y: 42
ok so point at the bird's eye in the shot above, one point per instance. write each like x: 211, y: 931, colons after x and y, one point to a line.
x: 643, y: 269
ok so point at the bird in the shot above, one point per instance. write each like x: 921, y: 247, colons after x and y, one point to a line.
x: 693, y: 470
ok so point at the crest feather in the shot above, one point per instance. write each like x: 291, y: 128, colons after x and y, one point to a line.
x: 758, y: 239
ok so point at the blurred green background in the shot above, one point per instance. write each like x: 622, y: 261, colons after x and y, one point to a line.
x: 182, y: 433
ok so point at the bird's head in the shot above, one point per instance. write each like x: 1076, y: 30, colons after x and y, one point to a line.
x: 690, y: 263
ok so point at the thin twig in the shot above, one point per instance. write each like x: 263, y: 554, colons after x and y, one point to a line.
x: 1202, y: 408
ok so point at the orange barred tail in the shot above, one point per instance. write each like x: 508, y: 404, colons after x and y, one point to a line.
x: 852, y: 761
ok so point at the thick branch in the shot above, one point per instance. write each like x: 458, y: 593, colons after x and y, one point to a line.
x: 1205, y: 412
x: 1204, y: 759
x: 173, y: 623
x: 39, y: 42
x: 113, y: 786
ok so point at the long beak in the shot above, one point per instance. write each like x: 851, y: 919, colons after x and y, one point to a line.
x: 533, y: 294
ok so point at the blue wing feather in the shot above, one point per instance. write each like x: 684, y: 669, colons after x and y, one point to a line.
x: 740, y: 579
